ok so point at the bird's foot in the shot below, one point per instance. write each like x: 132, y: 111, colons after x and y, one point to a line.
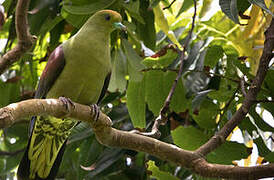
x: 67, y: 103
x: 95, y: 111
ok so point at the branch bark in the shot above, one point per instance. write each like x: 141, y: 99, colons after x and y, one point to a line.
x: 25, y: 40
x: 250, y: 98
x: 113, y: 137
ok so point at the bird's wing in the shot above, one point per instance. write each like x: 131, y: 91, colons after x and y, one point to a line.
x: 53, y: 69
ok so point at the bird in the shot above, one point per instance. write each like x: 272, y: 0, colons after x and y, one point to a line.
x: 78, y: 70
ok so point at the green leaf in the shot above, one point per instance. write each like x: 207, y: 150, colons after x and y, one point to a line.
x: 146, y: 30
x: 158, y: 85
x: 229, y: 7
x: 262, y: 5
x: 268, y: 81
x: 259, y: 121
x: 243, y: 5
x: 158, y: 174
x: 246, y: 124
x: 75, y: 20
x: 198, y: 99
x: 118, y: 80
x: 207, y: 115
x: 228, y: 152
x: 154, y: 90
x: 9, y: 93
x: 189, y: 138
x: 179, y: 102
x: 226, y: 90
x: 136, y: 103
x: 89, y: 8
x: 134, y: 61
x: 133, y: 8
x: 162, y: 61
x: 213, y: 55
x: 270, y: 157
x: 185, y: 6
x: 262, y: 148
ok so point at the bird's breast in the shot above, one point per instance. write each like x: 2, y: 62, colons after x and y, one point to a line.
x: 82, y: 78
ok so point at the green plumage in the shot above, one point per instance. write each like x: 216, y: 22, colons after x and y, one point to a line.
x: 77, y: 70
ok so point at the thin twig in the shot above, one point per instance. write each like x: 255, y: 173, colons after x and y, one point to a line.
x: 25, y: 40
x: 182, y: 57
x: 167, y: 7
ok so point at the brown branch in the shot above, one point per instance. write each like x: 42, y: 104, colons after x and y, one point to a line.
x: 25, y: 40
x: 250, y: 97
x: 109, y: 136
x: 13, y: 153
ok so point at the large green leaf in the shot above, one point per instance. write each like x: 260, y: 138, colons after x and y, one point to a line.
x: 207, y: 113
x: 118, y: 80
x: 262, y: 148
x: 213, y: 55
x: 136, y: 103
x: 133, y: 8
x: 146, y: 31
x: 134, y: 62
x: 228, y: 152
x: 154, y: 86
x: 157, y: 173
x: 189, y: 138
x: 229, y: 7
x: 243, y: 5
x: 185, y: 6
x: 259, y: 121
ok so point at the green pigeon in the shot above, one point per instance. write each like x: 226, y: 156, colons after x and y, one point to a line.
x: 78, y: 69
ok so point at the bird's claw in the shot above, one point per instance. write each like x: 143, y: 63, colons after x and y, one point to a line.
x: 95, y: 111
x: 67, y: 103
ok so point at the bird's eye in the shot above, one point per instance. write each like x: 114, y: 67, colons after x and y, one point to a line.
x: 107, y: 17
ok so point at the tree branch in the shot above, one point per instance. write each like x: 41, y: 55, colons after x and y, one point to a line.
x: 109, y: 136
x: 250, y: 97
x: 25, y: 40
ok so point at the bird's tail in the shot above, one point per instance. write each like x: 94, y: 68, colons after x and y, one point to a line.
x: 45, y: 148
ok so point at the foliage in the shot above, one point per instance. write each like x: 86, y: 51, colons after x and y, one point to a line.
x: 220, y: 54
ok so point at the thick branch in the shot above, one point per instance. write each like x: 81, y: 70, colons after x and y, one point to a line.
x: 25, y: 40
x: 250, y: 97
x: 113, y: 137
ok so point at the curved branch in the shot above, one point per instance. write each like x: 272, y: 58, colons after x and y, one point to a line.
x: 25, y: 40
x: 113, y: 137
x: 250, y: 97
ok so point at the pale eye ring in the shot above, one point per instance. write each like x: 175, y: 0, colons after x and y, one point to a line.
x: 107, y: 17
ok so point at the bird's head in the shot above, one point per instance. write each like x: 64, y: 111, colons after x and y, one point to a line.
x: 108, y: 19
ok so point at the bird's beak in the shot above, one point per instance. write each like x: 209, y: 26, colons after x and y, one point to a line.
x: 119, y: 25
